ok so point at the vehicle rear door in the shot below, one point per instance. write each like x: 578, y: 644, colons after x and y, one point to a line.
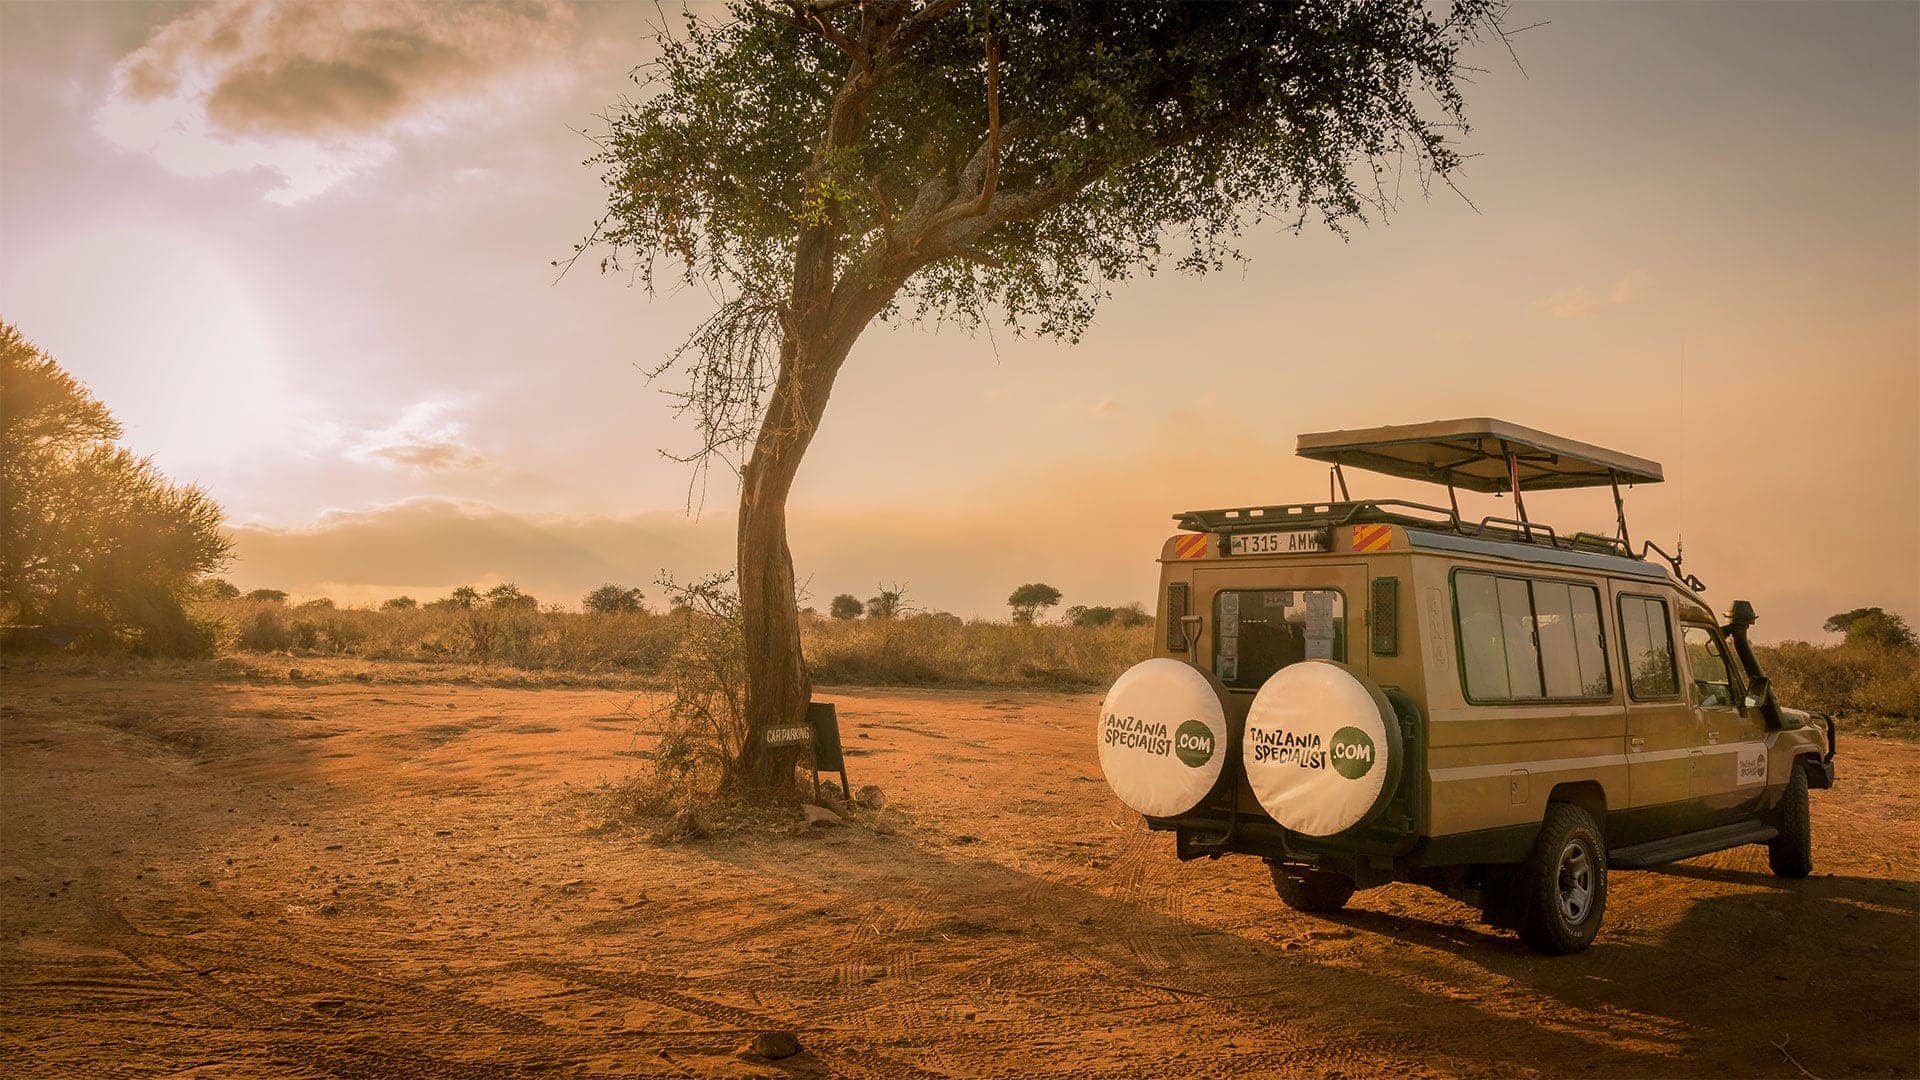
x: 1263, y: 615
x: 1730, y: 772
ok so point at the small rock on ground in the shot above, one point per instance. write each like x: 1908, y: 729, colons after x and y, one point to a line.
x: 774, y: 1045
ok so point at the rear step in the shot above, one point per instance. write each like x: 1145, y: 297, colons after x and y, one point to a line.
x: 1687, y: 845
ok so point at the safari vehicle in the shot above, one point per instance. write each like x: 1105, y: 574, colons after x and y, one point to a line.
x: 1362, y: 691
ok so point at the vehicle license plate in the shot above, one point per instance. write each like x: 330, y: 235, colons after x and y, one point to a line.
x: 1280, y: 543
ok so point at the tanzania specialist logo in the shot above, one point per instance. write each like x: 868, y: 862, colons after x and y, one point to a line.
x: 1193, y: 743
x: 1352, y: 752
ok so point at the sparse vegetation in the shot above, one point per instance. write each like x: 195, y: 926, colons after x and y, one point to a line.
x: 933, y: 649
x: 1870, y: 680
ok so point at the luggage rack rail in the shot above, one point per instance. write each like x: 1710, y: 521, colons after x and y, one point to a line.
x: 1421, y: 516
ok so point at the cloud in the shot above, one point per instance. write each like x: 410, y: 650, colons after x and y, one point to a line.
x: 1580, y: 302
x: 428, y: 437
x: 317, y: 91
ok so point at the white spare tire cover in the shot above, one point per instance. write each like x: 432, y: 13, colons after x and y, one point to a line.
x: 1163, y: 737
x: 1319, y: 748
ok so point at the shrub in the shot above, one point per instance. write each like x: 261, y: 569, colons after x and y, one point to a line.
x: 270, y: 596
x: 508, y: 595
x: 1859, y: 679
x: 399, y: 603
x: 845, y: 606
x: 265, y: 631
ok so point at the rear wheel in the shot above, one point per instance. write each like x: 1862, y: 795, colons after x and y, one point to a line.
x: 1311, y: 890
x: 1790, y: 854
x: 1565, y: 882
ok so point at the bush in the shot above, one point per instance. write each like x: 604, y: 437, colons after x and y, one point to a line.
x: 613, y: 600
x: 270, y: 596
x: 845, y: 606
x: 399, y: 603
x: 1863, y: 680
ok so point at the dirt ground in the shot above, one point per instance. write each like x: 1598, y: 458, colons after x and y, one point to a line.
x: 225, y: 878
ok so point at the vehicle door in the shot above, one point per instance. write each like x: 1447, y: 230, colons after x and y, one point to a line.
x: 1664, y: 733
x: 1730, y: 771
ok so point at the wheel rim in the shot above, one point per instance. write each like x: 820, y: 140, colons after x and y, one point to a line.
x: 1574, y: 883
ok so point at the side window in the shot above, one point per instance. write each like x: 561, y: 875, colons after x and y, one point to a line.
x: 1648, y: 639
x: 1259, y: 631
x: 1527, y: 640
x: 1707, y: 661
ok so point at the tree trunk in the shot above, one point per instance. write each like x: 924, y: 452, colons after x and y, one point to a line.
x: 777, y: 684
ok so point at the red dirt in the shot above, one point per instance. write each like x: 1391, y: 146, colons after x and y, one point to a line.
x: 347, y: 880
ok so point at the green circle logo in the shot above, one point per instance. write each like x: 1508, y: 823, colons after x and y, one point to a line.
x: 1193, y: 743
x: 1352, y: 752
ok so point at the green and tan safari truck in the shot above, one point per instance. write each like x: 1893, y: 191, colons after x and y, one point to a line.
x: 1362, y: 691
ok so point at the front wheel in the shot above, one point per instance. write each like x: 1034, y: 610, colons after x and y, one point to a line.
x: 1565, y: 882
x: 1790, y: 854
x: 1311, y: 890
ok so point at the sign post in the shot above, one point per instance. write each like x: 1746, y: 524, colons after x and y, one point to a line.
x: 821, y: 736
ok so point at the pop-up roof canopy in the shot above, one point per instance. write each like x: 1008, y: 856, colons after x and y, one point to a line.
x: 1477, y: 454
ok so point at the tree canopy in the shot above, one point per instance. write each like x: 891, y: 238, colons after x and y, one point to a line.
x: 1006, y: 159
x: 846, y: 606
x: 1872, y: 626
x: 1029, y: 599
x: 91, y: 535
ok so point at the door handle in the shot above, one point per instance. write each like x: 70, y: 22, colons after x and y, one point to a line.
x: 1713, y: 736
x: 1636, y: 744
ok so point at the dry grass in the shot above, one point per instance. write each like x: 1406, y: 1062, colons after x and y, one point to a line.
x: 926, y: 650
x: 1874, y: 686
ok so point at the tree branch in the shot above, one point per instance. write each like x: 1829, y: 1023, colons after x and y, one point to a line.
x: 991, y: 180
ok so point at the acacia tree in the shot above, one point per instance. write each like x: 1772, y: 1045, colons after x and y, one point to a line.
x: 820, y: 164
x: 1028, y: 600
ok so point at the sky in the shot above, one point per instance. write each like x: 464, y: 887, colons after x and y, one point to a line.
x: 304, y: 251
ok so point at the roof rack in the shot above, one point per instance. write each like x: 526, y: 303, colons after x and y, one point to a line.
x: 1415, y: 515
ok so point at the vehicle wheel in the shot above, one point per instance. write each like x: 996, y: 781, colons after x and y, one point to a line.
x: 1566, y: 882
x: 1791, y: 853
x: 1311, y: 890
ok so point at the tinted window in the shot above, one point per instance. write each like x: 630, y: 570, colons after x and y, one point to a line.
x: 1259, y: 631
x: 1523, y: 640
x: 1648, y: 638
x: 1707, y: 661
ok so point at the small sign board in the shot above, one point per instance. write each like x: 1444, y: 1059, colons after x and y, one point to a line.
x: 825, y: 725
x: 821, y: 736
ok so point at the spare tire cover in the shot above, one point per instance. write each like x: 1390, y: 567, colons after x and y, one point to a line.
x: 1320, y: 747
x: 1163, y: 737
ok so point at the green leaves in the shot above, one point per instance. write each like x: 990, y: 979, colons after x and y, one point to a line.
x: 1134, y: 135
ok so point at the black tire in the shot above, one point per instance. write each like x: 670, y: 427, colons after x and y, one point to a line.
x: 1564, y: 883
x: 1311, y: 890
x: 1790, y: 854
